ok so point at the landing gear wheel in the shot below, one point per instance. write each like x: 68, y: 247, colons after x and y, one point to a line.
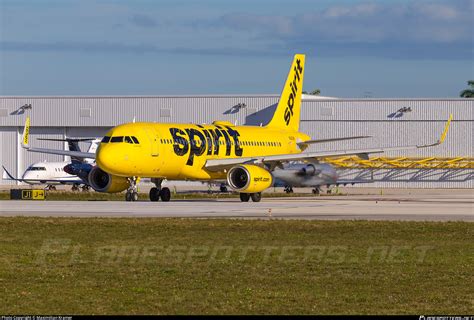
x: 132, y: 190
x: 256, y: 197
x: 244, y: 197
x: 154, y: 194
x: 223, y: 188
x: 316, y: 191
x: 165, y: 194
x: 288, y: 189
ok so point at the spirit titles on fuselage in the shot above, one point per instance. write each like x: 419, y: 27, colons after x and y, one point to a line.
x: 200, y: 141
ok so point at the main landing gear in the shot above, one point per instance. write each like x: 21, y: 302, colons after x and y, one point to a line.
x: 288, y: 189
x: 256, y: 197
x: 132, y: 191
x: 158, y: 192
x: 223, y: 187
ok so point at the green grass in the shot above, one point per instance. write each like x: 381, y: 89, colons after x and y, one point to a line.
x: 184, y: 266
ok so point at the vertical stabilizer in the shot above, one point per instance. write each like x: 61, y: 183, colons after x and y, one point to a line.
x: 26, y: 134
x: 287, y: 113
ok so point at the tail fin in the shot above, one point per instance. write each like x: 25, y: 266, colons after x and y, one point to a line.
x: 287, y: 113
x: 26, y: 134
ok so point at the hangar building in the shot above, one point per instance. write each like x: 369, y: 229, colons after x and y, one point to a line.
x: 390, y: 122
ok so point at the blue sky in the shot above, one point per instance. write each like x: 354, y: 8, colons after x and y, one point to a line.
x: 143, y: 47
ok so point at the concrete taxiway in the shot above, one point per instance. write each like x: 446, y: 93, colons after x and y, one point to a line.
x: 413, y: 207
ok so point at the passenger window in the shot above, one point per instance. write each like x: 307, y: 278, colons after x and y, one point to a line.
x: 128, y: 140
x: 105, y: 139
x: 135, y: 140
x: 116, y: 139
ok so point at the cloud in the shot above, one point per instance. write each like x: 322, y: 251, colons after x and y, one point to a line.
x: 407, y: 29
x: 120, y: 48
x: 420, y: 26
x: 144, y: 21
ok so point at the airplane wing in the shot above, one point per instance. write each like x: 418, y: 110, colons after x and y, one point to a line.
x: 72, y: 180
x: 77, y: 154
x: 223, y: 164
x: 308, y: 142
x: 25, y: 145
x: 68, y: 139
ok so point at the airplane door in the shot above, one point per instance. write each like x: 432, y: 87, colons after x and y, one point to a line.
x: 154, y: 139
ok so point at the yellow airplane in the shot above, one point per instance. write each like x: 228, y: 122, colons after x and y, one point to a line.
x: 243, y: 155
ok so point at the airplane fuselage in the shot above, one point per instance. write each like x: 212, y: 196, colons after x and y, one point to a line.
x: 180, y: 151
x: 47, y: 171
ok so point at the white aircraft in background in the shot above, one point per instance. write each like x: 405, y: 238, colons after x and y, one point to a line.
x: 73, y: 172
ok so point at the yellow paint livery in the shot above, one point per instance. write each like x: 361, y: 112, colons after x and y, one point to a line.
x: 180, y: 151
x: 26, y: 132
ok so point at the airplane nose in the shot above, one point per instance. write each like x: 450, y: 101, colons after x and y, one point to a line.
x: 101, y: 158
x: 106, y: 160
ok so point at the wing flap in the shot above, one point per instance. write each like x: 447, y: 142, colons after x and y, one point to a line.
x: 308, y: 142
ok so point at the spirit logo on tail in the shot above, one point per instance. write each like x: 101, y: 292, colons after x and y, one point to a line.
x: 294, y: 90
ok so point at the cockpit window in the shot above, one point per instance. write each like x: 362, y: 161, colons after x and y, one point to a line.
x: 36, y: 169
x: 105, y: 139
x: 116, y: 139
x: 135, y: 140
x: 128, y: 140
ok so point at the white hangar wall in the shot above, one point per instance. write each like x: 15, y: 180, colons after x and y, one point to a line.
x: 57, y: 117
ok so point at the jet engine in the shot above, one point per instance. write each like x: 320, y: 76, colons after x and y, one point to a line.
x: 308, y: 170
x: 249, y: 178
x: 102, y: 181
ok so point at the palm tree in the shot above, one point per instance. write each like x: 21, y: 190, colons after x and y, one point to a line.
x: 468, y: 93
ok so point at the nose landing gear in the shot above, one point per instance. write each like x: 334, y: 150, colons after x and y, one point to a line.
x: 132, y: 191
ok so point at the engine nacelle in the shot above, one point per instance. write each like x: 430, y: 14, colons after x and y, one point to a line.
x: 102, y: 181
x: 249, y: 178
